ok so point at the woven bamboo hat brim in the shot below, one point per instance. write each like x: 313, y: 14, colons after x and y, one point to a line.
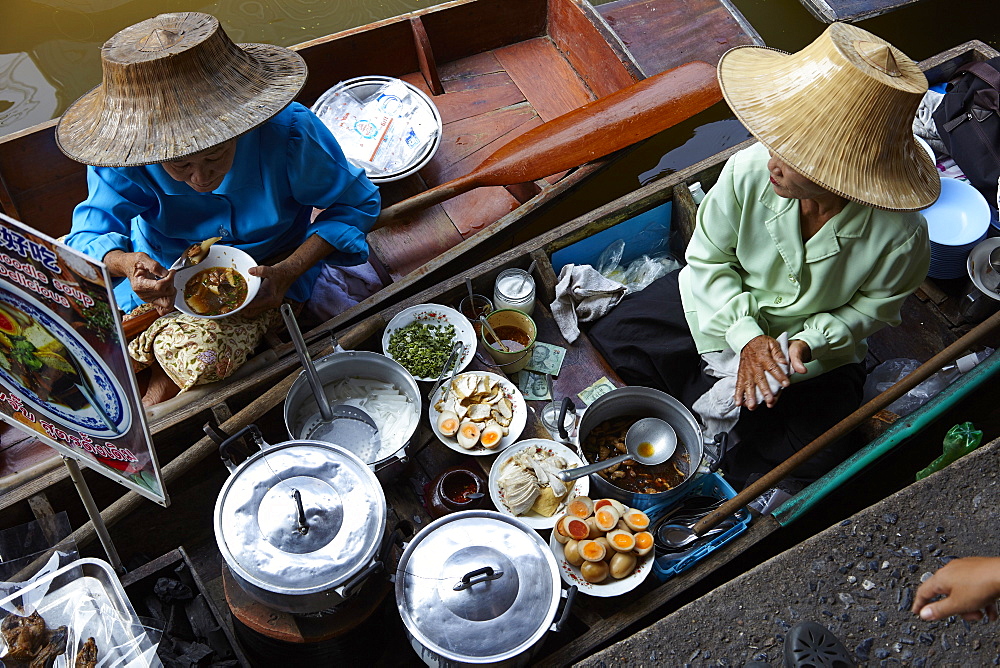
x: 174, y: 85
x: 839, y: 112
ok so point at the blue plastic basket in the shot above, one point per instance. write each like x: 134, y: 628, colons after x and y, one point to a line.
x: 711, y: 484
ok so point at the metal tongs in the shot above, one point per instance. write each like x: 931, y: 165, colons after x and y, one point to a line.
x: 452, y: 364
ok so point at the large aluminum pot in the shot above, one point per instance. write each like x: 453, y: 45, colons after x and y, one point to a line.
x: 300, y: 524
x: 301, y: 410
x: 479, y: 588
x: 645, y: 402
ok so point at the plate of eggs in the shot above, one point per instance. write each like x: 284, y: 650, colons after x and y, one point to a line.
x: 603, y: 547
x: 478, y: 413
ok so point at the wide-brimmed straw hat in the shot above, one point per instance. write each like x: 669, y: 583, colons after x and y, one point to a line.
x: 839, y: 112
x: 174, y: 85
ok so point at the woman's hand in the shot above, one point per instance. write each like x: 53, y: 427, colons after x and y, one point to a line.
x: 968, y: 585
x: 762, y: 354
x: 799, y: 353
x: 150, y: 281
x: 279, y: 277
x: 275, y: 281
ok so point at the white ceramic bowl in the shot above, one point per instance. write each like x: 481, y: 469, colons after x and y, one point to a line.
x: 960, y: 216
x: 434, y: 314
x: 218, y: 256
x: 578, y: 487
x: 611, y: 587
x: 517, y: 423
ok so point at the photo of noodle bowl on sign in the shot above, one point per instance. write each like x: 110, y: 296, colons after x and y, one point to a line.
x: 55, y: 370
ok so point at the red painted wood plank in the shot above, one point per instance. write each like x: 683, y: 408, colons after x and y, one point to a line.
x: 547, y: 80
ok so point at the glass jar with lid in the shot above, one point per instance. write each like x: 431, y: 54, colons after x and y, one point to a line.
x: 515, y: 289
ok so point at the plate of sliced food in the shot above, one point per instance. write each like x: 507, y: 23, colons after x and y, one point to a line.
x: 602, y: 546
x: 478, y: 413
x: 523, y: 481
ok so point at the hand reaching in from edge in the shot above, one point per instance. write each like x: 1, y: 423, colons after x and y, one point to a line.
x: 969, y: 586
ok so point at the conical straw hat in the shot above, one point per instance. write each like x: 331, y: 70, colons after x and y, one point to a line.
x: 175, y: 85
x: 839, y: 112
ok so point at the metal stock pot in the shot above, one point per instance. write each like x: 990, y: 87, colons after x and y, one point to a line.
x: 479, y: 588
x: 300, y: 524
x: 645, y: 402
x: 301, y: 409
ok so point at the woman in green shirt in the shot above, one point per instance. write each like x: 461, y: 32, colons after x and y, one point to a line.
x: 813, y: 232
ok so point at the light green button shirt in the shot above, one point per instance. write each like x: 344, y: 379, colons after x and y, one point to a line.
x: 748, y: 272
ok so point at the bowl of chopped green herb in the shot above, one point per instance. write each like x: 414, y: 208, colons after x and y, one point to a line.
x: 420, y: 339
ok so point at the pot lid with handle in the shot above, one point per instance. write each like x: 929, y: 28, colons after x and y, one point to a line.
x: 477, y: 586
x: 300, y: 517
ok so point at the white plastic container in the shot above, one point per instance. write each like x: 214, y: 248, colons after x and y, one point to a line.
x: 514, y: 288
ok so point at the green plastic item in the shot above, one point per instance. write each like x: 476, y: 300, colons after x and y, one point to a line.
x: 960, y: 440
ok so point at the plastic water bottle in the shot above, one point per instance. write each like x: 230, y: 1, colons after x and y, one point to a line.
x: 697, y: 193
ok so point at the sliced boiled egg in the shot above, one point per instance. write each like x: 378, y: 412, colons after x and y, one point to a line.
x: 606, y: 518
x: 468, y: 434
x: 591, y: 550
x: 636, y: 520
x: 491, y: 436
x: 643, y: 543
x: 622, y: 541
x: 448, y: 423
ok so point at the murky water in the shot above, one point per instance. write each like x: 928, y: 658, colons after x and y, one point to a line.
x: 51, y: 57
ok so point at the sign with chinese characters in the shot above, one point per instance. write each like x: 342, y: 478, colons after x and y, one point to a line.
x: 65, y: 374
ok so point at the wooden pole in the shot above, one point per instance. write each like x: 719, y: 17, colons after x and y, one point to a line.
x: 848, y: 424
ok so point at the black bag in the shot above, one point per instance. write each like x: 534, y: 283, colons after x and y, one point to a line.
x: 968, y: 120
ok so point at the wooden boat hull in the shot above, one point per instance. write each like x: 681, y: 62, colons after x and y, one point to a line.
x: 599, y: 621
x: 537, y: 59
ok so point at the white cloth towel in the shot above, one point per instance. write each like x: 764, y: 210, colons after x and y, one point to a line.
x: 582, y: 295
x: 717, y: 408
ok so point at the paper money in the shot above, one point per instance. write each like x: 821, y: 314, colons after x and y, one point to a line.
x: 598, y: 389
x: 546, y: 358
x: 533, y: 386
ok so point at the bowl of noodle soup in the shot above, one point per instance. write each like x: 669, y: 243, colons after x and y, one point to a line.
x: 218, y: 286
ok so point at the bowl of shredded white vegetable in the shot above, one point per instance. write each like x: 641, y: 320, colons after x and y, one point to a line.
x: 374, y: 383
x: 420, y: 339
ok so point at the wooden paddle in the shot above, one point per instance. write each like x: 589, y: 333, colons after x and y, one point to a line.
x: 593, y: 131
x: 847, y: 425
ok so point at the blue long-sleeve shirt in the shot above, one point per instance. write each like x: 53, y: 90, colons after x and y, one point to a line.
x: 282, y: 169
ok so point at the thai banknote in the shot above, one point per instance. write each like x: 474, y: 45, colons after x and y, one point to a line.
x: 598, y: 389
x: 546, y: 358
x: 533, y: 386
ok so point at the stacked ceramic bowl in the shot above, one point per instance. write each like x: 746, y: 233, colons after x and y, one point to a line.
x: 956, y: 223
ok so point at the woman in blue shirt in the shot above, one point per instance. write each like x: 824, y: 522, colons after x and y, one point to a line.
x: 190, y: 137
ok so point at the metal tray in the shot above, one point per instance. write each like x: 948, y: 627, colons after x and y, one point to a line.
x: 87, y: 597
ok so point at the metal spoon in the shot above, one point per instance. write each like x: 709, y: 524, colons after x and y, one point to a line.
x: 307, y: 364
x: 649, y: 441
x: 489, y: 328
x: 472, y: 297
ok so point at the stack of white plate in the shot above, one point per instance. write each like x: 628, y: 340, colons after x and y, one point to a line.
x: 956, y: 223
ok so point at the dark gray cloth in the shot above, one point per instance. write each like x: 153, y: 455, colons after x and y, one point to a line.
x: 646, y: 340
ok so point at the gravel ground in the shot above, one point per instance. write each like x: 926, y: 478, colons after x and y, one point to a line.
x: 858, y: 578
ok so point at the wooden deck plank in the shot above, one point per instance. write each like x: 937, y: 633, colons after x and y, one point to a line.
x: 591, y: 48
x: 547, y: 80
x: 472, y: 66
x: 472, y: 211
x: 474, y: 139
x: 494, y: 91
x: 695, y: 30
x: 411, y: 244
